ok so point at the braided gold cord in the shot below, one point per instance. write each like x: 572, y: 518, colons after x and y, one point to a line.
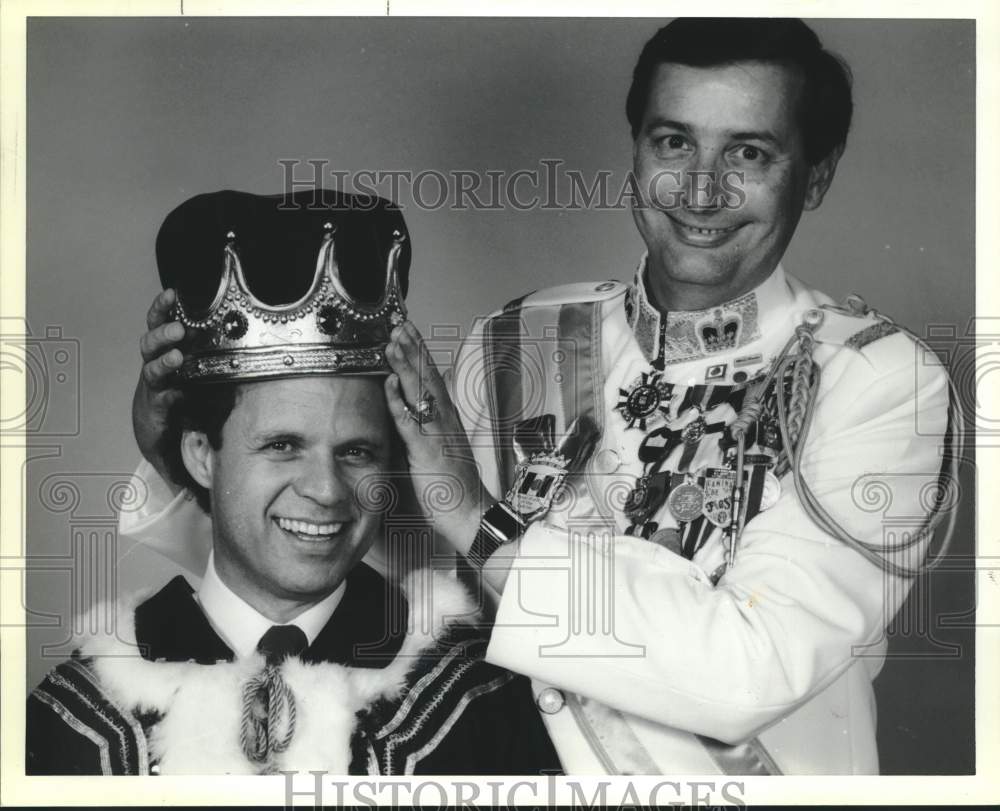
x: 794, y: 419
x: 799, y: 400
x: 268, y: 720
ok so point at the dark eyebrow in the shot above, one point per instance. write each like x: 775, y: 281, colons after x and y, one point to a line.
x: 274, y: 435
x: 372, y: 443
x: 766, y: 137
x: 666, y: 122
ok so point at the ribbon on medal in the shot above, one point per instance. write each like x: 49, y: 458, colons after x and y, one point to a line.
x: 646, y: 497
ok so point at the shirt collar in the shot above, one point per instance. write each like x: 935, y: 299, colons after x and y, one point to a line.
x: 685, y: 335
x: 241, y: 625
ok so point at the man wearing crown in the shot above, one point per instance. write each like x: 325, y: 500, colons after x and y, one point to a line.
x: 291, y: 654
x: 669, y: 499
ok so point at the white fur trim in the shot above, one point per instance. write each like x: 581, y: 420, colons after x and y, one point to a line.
x: 326, y: 702
x: 201, y: 705
x: 436, y: 601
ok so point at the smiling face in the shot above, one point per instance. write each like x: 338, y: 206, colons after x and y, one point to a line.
x: 708, y: 241
x: 287, y: 522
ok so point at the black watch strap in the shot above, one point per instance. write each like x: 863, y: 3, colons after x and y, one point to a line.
x: 500, y: 525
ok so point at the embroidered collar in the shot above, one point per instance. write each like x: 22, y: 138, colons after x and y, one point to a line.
x: 685, y: 335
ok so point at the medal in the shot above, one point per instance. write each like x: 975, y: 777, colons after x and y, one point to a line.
x: 646, y: 497
x: 648, y: 397
x: 536, y: 481
x: 772, y: 491
x: 719, y: 484
x: 768, y: 433
x: 685, y: 501
x: 692, y: 433
x: 635, y: 504
x: 667, y: 538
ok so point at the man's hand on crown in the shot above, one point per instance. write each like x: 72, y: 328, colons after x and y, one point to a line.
x: 445, y: 476
x: 156, y: 390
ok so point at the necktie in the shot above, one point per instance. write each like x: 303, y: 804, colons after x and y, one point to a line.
x: 282, y: 641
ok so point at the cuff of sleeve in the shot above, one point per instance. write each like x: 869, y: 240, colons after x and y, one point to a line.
x: 559, y: 585
x: 155, y: 501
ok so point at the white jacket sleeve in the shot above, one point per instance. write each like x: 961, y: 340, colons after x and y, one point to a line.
x: 173, y: 525
x: 635, y: 626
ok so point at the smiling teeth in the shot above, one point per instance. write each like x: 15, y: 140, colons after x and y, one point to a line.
x: 708, y: 231
x: 306, y: 528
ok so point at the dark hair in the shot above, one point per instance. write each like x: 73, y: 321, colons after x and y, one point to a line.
x: 826, y: 107
x: 204, y: 408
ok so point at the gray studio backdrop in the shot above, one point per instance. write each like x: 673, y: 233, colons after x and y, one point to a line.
x: 128, y: 117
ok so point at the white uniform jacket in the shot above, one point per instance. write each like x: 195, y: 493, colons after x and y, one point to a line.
x: 640, y: 663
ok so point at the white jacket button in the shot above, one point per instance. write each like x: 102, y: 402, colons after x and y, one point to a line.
x: 607, y: 461
x: 550, y: 700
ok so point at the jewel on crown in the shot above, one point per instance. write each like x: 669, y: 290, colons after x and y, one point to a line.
x: 720, y: 332
x: 326, y: 331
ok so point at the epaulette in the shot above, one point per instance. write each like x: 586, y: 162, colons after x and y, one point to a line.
x: 576, y: 293
x: 852, y: 325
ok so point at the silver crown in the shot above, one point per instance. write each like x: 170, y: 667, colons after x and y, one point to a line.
x: 327, y: 331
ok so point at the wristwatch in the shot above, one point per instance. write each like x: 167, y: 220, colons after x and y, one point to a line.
x: 500, y: 525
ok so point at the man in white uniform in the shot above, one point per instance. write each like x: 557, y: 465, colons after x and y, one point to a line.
x: 685, y: 558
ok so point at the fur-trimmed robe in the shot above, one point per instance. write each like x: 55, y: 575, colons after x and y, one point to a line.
x: 393, y: 684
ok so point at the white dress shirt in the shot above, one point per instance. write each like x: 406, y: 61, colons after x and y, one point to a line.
x: 241, y: 625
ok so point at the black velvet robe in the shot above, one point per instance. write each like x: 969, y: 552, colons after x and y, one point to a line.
x: 487, y: 716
